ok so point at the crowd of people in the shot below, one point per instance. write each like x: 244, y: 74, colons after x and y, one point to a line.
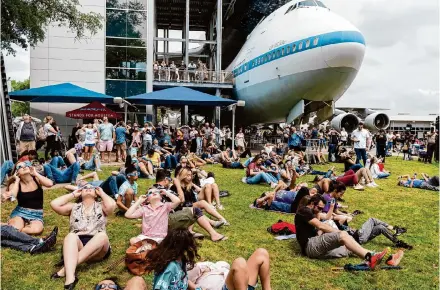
x: 185, y: 194
x: 164, y: 71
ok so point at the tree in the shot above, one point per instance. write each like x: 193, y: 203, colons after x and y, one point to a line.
x: 20, y: 108
x: 24, y: 22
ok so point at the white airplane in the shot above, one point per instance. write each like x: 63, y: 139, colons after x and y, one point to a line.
x: 298, y: 60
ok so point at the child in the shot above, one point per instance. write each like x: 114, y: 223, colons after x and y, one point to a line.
x: 128, y: 190
x: 171, y: 259
x: 154, y: 214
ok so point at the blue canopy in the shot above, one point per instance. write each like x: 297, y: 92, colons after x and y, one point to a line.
x: 61, y: 93
x: 179, y: 96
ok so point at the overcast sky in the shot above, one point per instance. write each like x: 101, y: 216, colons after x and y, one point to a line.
x: 400, y: 71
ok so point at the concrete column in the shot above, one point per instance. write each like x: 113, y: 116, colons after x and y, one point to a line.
x: 185, y: 115
x: 219, y: 26
x: 151, y: 32
x: 217, y: 110
x: 187, y: 33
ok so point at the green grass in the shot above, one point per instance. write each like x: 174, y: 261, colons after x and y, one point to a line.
x: 415, y: 209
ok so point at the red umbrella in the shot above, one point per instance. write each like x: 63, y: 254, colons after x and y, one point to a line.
x: 94, y: 110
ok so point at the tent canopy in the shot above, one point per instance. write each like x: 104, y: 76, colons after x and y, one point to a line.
x: 179, y: 96
x: 61, y: 93
x: 94, y: 110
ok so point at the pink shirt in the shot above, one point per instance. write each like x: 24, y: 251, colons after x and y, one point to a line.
x: 154, y: 221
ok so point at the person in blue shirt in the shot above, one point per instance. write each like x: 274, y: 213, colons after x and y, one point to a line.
x: 425, y: 183
x: 295, y: 140
x: 120, y: 143
x: 170, y: 260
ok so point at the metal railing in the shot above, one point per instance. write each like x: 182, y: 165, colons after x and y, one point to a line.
x: 189, y: 75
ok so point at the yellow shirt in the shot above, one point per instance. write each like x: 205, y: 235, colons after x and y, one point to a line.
x: 155, y: 159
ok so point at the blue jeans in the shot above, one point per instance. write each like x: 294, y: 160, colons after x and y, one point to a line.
x: 389, y: 145
x: 361, y: 154
x: 247, y: 162
x: 261, y: 177
x: 170, y: 162
x: 90, y: 165
x: 356, y: 167
x: 7, y: 167
x: 327, y: 174
x: 12, y: 238
x: 57, y: 161
x: 383, y: 175
x: 111, y: 185
x: 68, y: 175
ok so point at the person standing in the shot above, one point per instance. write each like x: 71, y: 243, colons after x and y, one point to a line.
x: 106, y: 135
x: 239, y: 140
x: 50, y: 133
x: 333, y: 144
x: 216, y: 132
x: 26, y: 134
x: 344, y: 137
x: 381, y: 144
x: 430, y: 145
x: 207, y: 132
x: 390, y: 138
x: 121, y: 146
x: 359, y: 137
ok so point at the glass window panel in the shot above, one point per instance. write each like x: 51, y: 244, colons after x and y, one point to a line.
x: 122, y: 4
x: 124, y: 89
x: 116, y: 23
x: 321, y: 4
x: 116, y: 56
x: 136, y: 88
x: 126, y: 74
x: 136, y: 42
x: 137, y: 4
x: 136, y: 57
x: 116, y: 41
x: 137, y: 24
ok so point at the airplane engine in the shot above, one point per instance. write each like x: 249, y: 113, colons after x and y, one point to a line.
x: 346, y: 120
x: 377, y: 121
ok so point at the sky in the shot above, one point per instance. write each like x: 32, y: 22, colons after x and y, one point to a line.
x: 400, y: 71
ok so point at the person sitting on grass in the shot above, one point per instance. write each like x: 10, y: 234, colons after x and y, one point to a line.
x: 185, y: 188
x: 302, y: 192
x: 87, y: 240
x: 154, y: 214
x: 128, y: 190
x: 26, y: 185
x: 210, y: 191
x: 331, y: 204
x: 94, y: 164
x: 373, y: 228
x: 20, y: 241
x: 207, y: 157
x: 230, y: 159
x: 425, y: 183
x: 318, y: 240
x: 288, y: 173
x: 197, y: 161
x: 111, y: 283
x: 110, y: 186
x: 256, y: 174
x: 375, y: 169
x: 185, y: 217
x: 170, y: 161
x: 241, y: 274
x: 67, y: 175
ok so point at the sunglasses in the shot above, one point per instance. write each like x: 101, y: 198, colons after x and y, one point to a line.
x: 103, y: 286
x: 24, y: 165
x: 88, y: 186
x: 134, y: 174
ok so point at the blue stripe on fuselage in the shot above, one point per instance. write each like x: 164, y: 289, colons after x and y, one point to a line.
x: 294, y: 47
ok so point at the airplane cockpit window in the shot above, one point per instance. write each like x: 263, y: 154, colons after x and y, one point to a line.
x: 307, y: 3
x: 320, y: 4
x: 293, y: 7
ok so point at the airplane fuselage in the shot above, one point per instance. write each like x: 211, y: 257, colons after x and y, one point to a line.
x: 307, y: 53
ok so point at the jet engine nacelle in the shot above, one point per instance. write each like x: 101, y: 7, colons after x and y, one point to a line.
x: 345, y: 120
x: 377, y: 121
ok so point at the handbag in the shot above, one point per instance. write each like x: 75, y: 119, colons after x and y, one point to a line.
x: 136, y: 256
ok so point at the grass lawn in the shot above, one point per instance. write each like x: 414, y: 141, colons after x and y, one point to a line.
x: 418, y: 210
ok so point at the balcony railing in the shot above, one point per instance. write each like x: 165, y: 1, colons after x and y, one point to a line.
x: 195, y: 76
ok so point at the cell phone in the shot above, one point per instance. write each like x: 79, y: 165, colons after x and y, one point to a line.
x: 332, y: 201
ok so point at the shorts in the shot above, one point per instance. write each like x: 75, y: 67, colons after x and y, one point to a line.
x: 184, y: 218
x: 121, y: 146
x: 89, y: 145
x: 105, y: 146
x: 27, y: 214
x: 86, y: 238
x: 326, y: 246
x: 26, y: 146
x: 142, y: 237
x: 248, y: 288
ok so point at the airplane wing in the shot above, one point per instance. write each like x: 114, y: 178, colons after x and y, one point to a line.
x: 361, y: 109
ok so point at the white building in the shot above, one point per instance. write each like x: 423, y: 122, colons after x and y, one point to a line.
x: 420, y: 124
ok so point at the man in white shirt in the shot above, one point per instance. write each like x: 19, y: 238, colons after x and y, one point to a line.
x: 359, y: 137
x: 344, y: 136
x: 390, y: 138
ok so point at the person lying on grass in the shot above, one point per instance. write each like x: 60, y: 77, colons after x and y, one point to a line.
x: 87, y: 240
x: 425, y: 183
x: 128, y: 190
x: 280, y: 199
x: 154, y: 214
x: 111, y: 283
x: 241, y: 274
x: 318, y: 240
x: 349, y: 178
x: 110, y: 186
x: 186, y: 217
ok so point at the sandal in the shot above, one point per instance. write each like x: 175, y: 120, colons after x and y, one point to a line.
x: 223, y: 238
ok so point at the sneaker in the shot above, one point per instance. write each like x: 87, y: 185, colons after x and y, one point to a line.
x: 47, y: 244
x: 220, y: 207
x: 402, y: 244
x: 362, y: 182
x: 394, y: 259
x: 358, y: 187
x: 273, y: 185
x: 370, y: 185
x: 375, y: 184
x: 99, y: 170
x: 376, y: 259
x: 399, y: 231
x: 218, y: 224
x: 226, y: 223
x: 244, y: 180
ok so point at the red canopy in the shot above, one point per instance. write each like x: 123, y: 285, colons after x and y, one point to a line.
x: 94, y: 110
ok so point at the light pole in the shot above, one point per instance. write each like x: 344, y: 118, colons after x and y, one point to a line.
x: 124, y: 103
x: 233, y: 107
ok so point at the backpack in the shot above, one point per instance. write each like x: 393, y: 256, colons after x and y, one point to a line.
x: 282, y: 228
x: 42, y: 134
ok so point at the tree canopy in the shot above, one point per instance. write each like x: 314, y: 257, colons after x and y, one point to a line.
x: 24, y: 22
x: 20, y: 108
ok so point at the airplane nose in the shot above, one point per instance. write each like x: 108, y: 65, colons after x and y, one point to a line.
x: 347, y: 50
